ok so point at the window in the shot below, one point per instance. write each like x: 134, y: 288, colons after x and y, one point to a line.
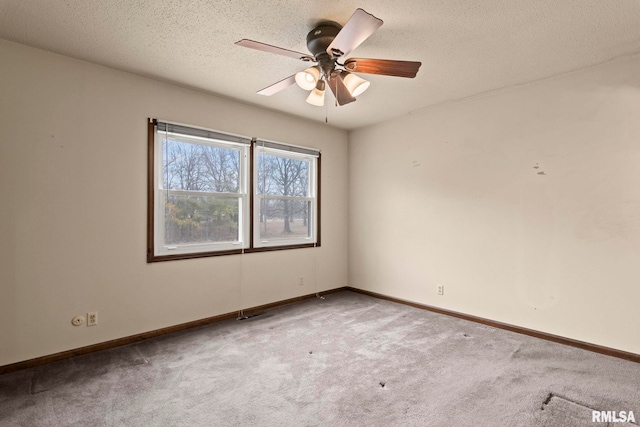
x: 202, y: 185
x: 200, y: 192
x: 285, y: 203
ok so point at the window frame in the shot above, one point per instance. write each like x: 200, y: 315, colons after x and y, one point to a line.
x: 313, y: 190
x: 242, y: 196
x: 247, y: 200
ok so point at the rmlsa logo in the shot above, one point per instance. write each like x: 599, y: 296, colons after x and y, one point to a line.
x: 612, y: 417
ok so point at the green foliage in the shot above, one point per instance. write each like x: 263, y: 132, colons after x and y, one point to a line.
x: 194, y: 219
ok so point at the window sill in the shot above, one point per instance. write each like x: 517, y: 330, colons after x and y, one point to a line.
x: 159, y: 258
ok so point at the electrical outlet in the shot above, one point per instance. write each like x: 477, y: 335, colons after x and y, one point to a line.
x: 301, y: 283
x: 440, y: 289
x: 77, y: 320
x: 92, y: 318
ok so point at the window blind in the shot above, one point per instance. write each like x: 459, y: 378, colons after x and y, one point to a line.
x: 284, y: 147
x: 200, y: 132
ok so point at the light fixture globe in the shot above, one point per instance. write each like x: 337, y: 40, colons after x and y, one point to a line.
x: 308, y: 78
x: 316, y: 97
x: 356, y: 85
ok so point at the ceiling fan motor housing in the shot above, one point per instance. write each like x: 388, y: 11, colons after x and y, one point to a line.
x: 319, y: 39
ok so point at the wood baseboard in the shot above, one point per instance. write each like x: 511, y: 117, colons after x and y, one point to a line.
x: 151, y: 334
x: 633, y: 357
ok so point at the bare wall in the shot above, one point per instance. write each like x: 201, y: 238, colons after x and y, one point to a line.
x: 73, y: 208
x: 523, y: 203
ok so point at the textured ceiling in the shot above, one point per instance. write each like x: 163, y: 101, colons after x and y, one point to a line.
x: 466, y: 47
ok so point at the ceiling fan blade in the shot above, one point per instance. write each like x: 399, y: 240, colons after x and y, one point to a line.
x: 357, y: 29
x: 274, y: 49
x: 385, y: 67
x: 277, y: 87
x: 340, y: 91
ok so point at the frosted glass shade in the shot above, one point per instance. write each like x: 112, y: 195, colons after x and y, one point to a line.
x: 308, y: 78
x: 316, y: 97
x: 355, y: 84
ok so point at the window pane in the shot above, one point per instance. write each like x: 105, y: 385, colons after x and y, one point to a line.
x: 199, y: 167
x: 199, y: 219
x: 284, y: 219
x: 282, y: 176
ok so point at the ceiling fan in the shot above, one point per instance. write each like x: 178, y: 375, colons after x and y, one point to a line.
x: 329, y: 43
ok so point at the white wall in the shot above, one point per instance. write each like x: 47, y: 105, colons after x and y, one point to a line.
x: 450, y: 196
x: 73, y: 208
